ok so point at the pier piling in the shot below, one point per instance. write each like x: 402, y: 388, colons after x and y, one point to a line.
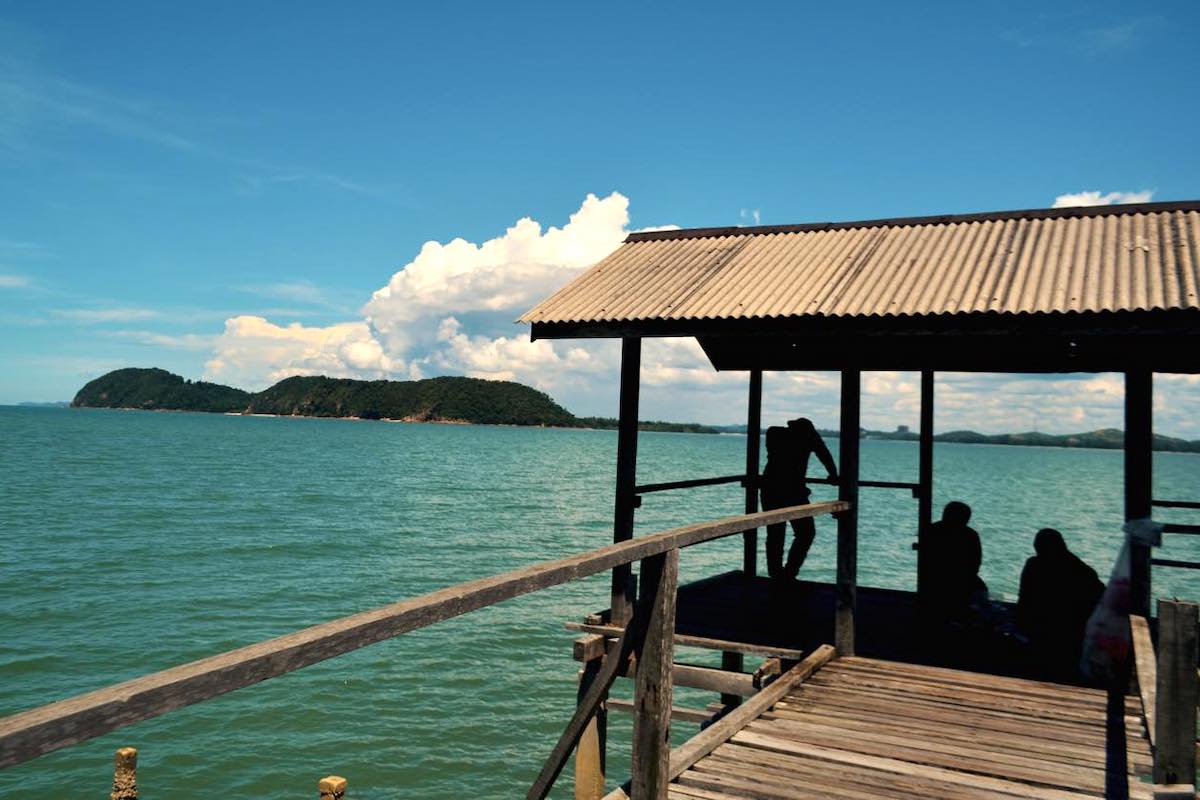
x: 125, y: 775
x: 332, y: 787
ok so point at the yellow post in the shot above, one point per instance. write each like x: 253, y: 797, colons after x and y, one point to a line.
x: 125, y: 775
x: 332, y: 788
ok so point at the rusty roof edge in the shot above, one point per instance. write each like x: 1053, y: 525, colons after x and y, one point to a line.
x: 943, y: 219
x: 939, y: 317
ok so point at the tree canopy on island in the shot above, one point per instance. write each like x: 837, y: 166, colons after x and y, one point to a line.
x: 444, y: 399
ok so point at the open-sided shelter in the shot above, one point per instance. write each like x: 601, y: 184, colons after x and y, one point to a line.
x: 1112, y: 288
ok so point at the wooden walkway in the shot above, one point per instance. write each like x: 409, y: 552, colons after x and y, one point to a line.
x: 864, y: 728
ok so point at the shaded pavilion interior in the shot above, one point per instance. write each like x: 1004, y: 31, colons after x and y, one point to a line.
x: 1101, y: 289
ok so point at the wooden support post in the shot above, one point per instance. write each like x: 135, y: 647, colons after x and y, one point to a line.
x: 654, y: 573
x: 332, y: 787
x: 1175, y: 697
x: 733, y: 662
x: 650, y: 769
x: 753, y: 437
x: 591, y: 752
x: 924, y: 478
x: 730, y: 660
x: 125, y: 775
x: 626, y: 501
x: 1138, y: 478
x: 847, y: 541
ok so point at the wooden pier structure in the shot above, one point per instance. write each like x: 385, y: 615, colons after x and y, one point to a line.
x: 825, y: 690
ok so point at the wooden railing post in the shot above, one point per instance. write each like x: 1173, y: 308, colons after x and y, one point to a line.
x: 332, y: 787
x: 652, y: 695
x: 1175, y: 697
x: 125, y: 775
x: 753, y: 437
x: 1139, y: 463
x: 626, y: 499
x: 590, y: 753
x: 846, y: 594
x: 924, y: 490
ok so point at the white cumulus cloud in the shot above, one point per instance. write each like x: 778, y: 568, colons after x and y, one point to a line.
x: 254, y: 353
x: 1102, y: 198
x: 426, y: 320
x: 507, y: 273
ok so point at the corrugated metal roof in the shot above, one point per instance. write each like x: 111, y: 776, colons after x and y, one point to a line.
x: 1108, y: 258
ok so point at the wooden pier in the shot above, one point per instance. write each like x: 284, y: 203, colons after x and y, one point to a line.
x: 866, y: 728
x: 849, y: 700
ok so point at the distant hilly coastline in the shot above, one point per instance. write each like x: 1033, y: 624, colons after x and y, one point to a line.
x: 469, y: 400
x: 445, y: 399
x: 1103, y: 439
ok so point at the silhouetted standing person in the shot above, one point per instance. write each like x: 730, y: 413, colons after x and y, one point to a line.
x: 953, y: 555
x: 783, y: 484
x: 1058, y: 593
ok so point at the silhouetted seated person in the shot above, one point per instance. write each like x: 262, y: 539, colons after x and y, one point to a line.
x: 1058, y: 593
x: 953, y: 591
x: 783, y: 484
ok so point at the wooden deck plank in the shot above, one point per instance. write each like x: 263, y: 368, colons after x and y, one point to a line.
x: 941, y: 676
x: 865, y: 729
x: 971, y: 698
x: 800, y: 767
x: 902, y: 767
x: 1050, y: 748
x: 976, y: 760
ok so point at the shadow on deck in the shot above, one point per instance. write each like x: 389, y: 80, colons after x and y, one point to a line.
x: 799, y: 615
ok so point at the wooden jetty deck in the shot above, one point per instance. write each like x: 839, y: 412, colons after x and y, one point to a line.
x: 867, y: 728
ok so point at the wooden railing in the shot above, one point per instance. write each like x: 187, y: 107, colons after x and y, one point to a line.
x: 1168, y: 685
x: 647, y: 639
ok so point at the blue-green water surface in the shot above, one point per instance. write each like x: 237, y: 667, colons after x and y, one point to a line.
x: 131, y: 542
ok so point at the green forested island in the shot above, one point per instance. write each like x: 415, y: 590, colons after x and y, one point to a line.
x: 445, y: 399
x: 471, y: 400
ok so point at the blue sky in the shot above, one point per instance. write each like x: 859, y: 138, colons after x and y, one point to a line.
x: 220, y: 189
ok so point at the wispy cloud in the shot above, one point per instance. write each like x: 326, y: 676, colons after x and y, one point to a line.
x: 187, y: 341
x: 14, y: 249
x: 258, y: 183
x: 1102, y: 198
x: 307, y: 298
x: 750, y: 215
x: 1115, y: 38
x: 8, y: 281
x: 1065, y: 34
x: 35, y: 101
x: 103, y: 315
x: 296, y: 291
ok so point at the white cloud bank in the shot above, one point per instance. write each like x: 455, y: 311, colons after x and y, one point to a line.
x: 418, y: 323
x: 255, y: 353
x: 1102, y: 199
x: 450, y: 311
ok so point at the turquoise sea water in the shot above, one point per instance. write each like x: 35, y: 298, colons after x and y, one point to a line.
x: 131, y: 542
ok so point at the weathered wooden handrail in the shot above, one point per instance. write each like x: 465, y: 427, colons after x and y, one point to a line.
x: 683, y: 757
x: 1146, y: 670
x: 32, y: 733
x: 692, y: 483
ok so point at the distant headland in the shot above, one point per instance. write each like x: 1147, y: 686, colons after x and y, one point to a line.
x: 452, y: 399
x: 446, y: 399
